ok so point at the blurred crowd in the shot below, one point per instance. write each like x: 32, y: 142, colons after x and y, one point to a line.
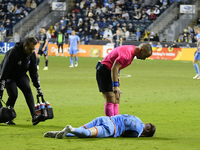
x: 13, y: 12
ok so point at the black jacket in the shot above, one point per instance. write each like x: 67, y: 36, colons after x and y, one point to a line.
x: 16, y: 63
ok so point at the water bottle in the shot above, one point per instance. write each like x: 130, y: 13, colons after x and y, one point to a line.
x: 38, y: 106
x: 35, y: 107
x: 48, y: 105
x: 42, y: 108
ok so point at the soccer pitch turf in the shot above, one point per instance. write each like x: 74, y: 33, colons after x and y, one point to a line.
x: 157, y: 91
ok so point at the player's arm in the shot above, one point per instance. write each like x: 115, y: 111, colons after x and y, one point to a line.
x: 130, y: 133
x: 34, y: 75
x: 7, y: 67
x: 121, y: 40
x: 78, y: 45
x: 198, y: 43
x: 46, y: 42
x: 114, y: 76
x: 68, y: 44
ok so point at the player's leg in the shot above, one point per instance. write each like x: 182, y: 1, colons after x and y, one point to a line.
x: 84, y: 129
x: 71, y: 52
x: 103, y: 128
x: 62, y: 49
x: 24, y: 85
x: 38, y: 58
x: 196, y: 67
x: 46, y: 58
x: 76, y: 58
x: 104, y: 81
x: 58, y: 49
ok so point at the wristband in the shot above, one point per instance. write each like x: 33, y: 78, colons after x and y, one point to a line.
x: 115, y: 83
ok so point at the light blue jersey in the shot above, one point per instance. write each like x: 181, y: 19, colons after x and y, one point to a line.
x: 197, y: 54
x: 73, y: 39
x: 198, y: 37
x: 127, y: 124
x: 114, y: 126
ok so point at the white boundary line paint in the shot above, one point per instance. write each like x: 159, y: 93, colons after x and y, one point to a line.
x: 121, y: 76
x: 125, y: 76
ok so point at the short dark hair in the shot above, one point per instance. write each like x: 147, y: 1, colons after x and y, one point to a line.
x: 29, y: 40
x: 148, y: 49
x: 152, y: 130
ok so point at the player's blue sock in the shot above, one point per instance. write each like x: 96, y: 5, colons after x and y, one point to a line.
x: 38, y: 61
x: 70, y: 135
x: 71, y: 60
x: 196, y: 67
x: 82, y: 133
x: 76, y: 59
x: 46, y: 63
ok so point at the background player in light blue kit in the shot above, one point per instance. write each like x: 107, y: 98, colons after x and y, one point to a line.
x: 104, y: 126
x: 74, y: 43
x: 197, y: 53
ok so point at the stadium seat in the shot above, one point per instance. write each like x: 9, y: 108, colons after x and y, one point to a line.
x: 22, y: 1
x: 39, y: 2
x: 13, y: 18
x: 5, y: 1
x: 16, y: 2
x: 29, y: 10
x: 13, y: 23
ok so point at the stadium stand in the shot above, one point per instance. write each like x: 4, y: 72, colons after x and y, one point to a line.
x: 12, y: 11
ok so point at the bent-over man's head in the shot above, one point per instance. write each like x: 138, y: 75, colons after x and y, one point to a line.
x: 29, y: 45
x: 145, y: 51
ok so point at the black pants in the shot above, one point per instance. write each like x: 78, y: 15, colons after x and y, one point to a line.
x: 60, y: 45
x: 24, y: 85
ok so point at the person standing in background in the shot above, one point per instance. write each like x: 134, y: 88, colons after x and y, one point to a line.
x: 74, y: 44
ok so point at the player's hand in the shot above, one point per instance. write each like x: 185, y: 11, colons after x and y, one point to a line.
x: 119, y: 81
x: 39, y: 92
x: 116, y: 91
x: 43, y: 49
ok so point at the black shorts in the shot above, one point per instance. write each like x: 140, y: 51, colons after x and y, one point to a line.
x: 103, y: 77
x: 40, y: 52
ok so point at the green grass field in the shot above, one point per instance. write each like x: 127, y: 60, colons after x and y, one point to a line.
x: 158, y: 91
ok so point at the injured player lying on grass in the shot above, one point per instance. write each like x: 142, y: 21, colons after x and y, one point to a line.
x: 104, y: 126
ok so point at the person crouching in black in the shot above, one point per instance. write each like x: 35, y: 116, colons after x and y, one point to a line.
x: 17, y: 61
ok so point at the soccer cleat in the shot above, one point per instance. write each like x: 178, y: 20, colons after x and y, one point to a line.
x: 10, y: 123
x: 71, y: 66
x: 36, y: 119
x: 76, y: 64
x: 38, y: 67
x: 51, y: 134
x: 196, y: 77
x: 45, y: 68
x: 63, y: 133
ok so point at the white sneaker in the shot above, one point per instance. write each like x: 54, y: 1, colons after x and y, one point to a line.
x: 51, y: 134
x: 62, y: 54
x: 196, y: 77
x: 63, y: 133
x: 45, y: 68
x: 71, y: 66
x: 38, y: 67
x: 76, y: 64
